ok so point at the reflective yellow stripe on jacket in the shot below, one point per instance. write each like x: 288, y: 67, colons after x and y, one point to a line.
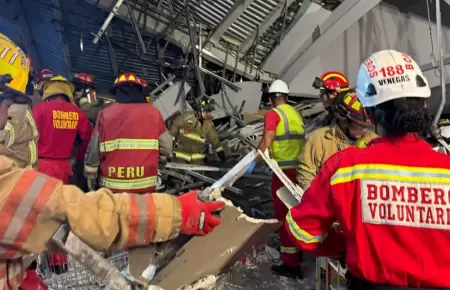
x: 128, y: 184
x: 128, y: 144
x: 289, y: 137
x: 391, y: 172
x: 189, y: 156
x: 32, y: 144
x: 192, y: 136
x: 301, y: 235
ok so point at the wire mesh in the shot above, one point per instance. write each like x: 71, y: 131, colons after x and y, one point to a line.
x: 73, y: 275
x: 330, y: 275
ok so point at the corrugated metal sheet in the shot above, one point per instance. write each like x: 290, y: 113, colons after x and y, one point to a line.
x: 41, y: 20
x: 81, y: 19
x: 251, y: 18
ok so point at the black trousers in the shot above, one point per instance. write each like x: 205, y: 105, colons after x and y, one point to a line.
x: 354, y: 283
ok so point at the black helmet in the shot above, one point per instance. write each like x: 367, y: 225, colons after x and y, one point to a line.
x: 205, y: 104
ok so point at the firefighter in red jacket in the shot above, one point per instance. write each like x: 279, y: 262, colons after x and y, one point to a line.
x: 391, y: 199
x: 58, y: 121
x: 128, y: 137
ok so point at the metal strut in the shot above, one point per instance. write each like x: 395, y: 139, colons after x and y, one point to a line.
x: 438, y: 114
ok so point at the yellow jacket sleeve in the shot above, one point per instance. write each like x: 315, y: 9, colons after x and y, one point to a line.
x: 33, y: 206
x: 176, y: 126
x: 309, y: 161
x: 211, y: 135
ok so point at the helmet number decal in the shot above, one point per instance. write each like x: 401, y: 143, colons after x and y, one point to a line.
x: 4, y: 49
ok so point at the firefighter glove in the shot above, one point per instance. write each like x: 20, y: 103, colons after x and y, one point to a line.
x: 251, y: 167
x: 197, y: 216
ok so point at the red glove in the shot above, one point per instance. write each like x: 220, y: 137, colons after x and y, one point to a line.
x: 197, y: 216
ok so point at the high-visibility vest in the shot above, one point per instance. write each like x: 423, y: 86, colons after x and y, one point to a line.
x: 289, y: 137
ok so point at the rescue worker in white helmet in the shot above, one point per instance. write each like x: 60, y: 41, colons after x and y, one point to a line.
x: 390, y: 198
x: 193, y: 132
x: 284, y: 136
x: 353, y: 127
x: 33, y: 205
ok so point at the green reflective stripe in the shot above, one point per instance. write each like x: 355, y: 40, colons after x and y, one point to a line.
x: 128, y: 144
x: 219, y: 149
x: 290, y: 137
x: 289, y: 250
x: 182, y: 155
x: 128, y: 184
x: 198, y: 156
x: 192, y: 136
x: 189, y: 156
x: 292, y: 163
x: 361, y: 144
x: 302, y: 235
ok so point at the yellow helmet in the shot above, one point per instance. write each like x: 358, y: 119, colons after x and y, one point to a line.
x: 14, y: 62
x: 58, y: 86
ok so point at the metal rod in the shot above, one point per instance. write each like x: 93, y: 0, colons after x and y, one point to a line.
x: 194, y: 51
x: 136, y: 28
x: 159, y: 88
x: 107, y: 21
x: 225, y: 81
x: 441, y: 64
x: 200, y: 47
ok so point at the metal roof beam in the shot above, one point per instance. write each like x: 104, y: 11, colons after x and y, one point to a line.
x: 214, y: 53
x: 337, y: 23
x: 61, y: 30
x: 234, y: 13
x: 267, y: 22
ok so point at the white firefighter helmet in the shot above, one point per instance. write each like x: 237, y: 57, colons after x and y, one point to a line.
x: 387, y: 75
x: 278, y: 86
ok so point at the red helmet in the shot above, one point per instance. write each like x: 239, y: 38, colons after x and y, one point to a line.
x: 44, y: 75
x: 332, y: 81
x: 83, y: 78
x: 128, y: 79
x: 349, y: 107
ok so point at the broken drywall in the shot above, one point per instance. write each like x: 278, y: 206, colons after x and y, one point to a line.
x: 215, y: 253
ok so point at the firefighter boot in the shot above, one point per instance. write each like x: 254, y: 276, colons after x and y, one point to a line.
x: 288, y: 271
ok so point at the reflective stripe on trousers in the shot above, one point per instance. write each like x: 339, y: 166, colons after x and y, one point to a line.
x: 128, y: 144
x: 128, y: 184
x: 189, y: 156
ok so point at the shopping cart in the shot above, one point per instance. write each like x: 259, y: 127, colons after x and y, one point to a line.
x: 76, y: 276
x: 330, y: 275
x: 86, y: 268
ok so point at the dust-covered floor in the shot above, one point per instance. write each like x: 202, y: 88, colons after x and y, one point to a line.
x: 256, y: 274
x: 256, y: 201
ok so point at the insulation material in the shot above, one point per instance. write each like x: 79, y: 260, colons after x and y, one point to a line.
x: 165, y: 102
x: 215, y: 253
x: 249, y: 96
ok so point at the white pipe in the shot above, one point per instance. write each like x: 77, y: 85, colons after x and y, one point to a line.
x: 441, y: 63
x: 107, y: 21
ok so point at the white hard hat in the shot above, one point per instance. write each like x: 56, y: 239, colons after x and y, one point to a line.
x: 278, y: 86
x: 387, y: 75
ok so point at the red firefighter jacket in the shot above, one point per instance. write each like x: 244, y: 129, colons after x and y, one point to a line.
x: 126, y: 137
x: 58, y: 123
x: 392, y: 202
